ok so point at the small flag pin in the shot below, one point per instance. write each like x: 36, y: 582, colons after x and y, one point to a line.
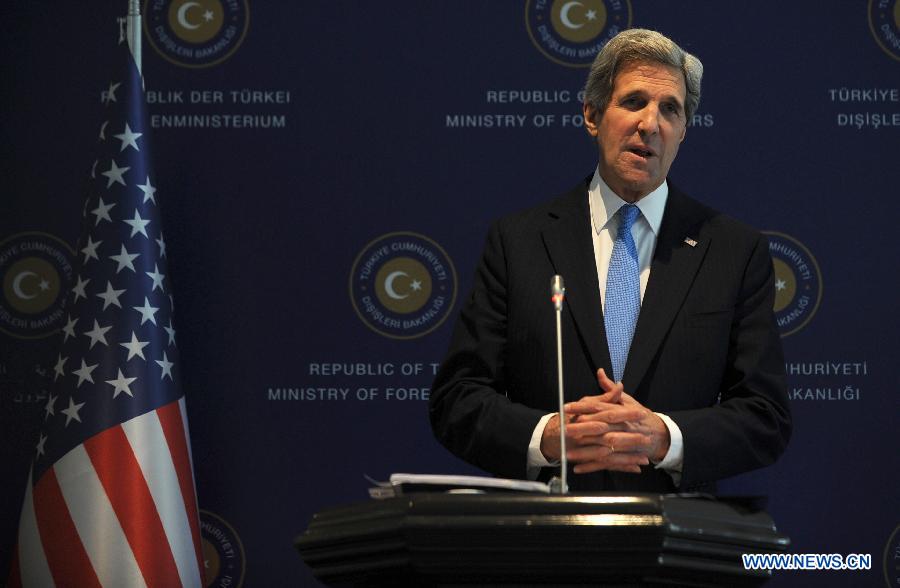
x: 691, y: 242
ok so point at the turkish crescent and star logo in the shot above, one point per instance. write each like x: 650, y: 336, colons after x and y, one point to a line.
x: 884, y: 22
x: 403, y: 285
x: 572, y: 32
x: 224, y: 561
x: 892, y: 559
x: 798, y: 282
x: 196, y: 33
x: 36, y: 270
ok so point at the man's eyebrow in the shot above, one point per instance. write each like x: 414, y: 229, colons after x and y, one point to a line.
x: 676, y: 100
x: 636, y: 93
x: 641, y: 93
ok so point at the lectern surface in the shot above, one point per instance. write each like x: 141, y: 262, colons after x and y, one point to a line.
x: 435, y: 539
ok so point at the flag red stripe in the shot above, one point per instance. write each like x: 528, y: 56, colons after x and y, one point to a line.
x: 14, y: 580
x: 122, y: 479
x: 173, y: 429
x: 66, y: 557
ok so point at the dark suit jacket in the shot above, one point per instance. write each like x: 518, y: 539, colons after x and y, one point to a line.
x: 706, y: 349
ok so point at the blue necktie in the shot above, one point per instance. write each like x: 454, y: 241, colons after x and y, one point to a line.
x: 623, y: 292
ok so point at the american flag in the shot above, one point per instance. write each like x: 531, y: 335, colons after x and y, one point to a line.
x: 110, y: 499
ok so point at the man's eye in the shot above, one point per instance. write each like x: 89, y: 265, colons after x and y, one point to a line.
x: 671, y: 108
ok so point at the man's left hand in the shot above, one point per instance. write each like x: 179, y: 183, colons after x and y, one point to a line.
x: 647, y: 434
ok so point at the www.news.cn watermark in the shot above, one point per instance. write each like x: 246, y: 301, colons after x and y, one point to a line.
x: 807, y: 561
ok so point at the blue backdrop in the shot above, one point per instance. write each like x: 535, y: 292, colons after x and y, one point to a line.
x: 293, y: 140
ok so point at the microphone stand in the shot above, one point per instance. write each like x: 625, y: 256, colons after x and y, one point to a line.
x: 558, y: 292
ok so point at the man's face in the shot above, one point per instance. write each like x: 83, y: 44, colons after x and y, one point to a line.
x: 641, y: 129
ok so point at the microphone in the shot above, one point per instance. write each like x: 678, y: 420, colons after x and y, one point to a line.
x: 557, y: 292
x: 557, y: 295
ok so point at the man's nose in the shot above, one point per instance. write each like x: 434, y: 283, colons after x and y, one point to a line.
x: 648, y: 124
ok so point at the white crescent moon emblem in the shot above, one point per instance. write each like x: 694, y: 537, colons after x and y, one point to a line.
x: 182, y: 15
x: 389, y: 285
x: 564, y: 15
x: 17, y: 285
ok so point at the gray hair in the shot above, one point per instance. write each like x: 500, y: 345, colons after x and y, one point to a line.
x: 641, y: 45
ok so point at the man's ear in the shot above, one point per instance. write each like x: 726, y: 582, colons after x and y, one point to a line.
x: 590, y: 119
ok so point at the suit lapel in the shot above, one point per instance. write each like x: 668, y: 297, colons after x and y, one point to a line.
x: 571, y: 250
x: 675, y: 263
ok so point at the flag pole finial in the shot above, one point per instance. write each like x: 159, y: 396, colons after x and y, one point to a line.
x: 134, y: 31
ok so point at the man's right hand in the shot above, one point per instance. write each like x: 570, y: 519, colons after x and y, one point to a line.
x: 604, y: 434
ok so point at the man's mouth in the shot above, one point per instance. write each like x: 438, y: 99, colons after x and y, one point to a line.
x: 641, y: 152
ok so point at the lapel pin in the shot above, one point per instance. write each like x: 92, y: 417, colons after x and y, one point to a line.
x: 691, y: 242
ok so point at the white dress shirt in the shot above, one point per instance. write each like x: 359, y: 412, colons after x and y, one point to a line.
x: 604, y: 204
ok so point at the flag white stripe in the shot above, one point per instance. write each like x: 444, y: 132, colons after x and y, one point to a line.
x: 96, y: 521
x: 182, y: 408
x: 145, y: 434
x: 33, y: 567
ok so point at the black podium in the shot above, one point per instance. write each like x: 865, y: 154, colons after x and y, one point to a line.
x: 440, y: 539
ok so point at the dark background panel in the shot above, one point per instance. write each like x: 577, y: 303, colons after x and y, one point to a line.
x: 263, y: 226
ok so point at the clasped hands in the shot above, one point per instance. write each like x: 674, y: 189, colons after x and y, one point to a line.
x: 611, y: 431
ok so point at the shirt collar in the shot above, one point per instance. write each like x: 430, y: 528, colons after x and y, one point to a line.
x: 604, y: 203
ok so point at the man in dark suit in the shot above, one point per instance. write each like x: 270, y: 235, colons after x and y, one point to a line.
x: 673, y: 364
